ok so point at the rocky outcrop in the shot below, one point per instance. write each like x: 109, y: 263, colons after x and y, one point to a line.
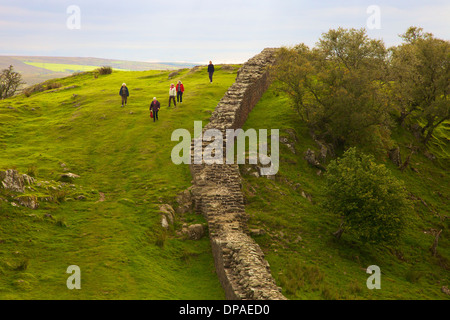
x: 30, y: 201
x: 167, y: 215
x: 240, y: 263
x: 14, y: 181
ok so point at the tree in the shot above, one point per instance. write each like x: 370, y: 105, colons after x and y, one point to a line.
x: 338, y: 87
x: 420, y: 70
x: 10, y: 81
x: 370, y: 202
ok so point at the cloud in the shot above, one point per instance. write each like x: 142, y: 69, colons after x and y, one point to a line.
x: 198, y: 30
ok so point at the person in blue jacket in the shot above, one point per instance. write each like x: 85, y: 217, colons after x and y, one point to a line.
x: 124, y: 94
x: 210, y: 71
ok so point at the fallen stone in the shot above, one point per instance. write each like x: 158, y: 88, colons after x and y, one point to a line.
x: 164, y: 222
x: 69, y: 175
x: 257, y: 232
x: 195, y: 231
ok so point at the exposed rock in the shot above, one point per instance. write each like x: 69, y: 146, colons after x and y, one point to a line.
x: 14, y: 181
x: 255, y: 174
x: 28, y: 201
x: 167, y: 214
x: 445, y: 290
x: 195, y: 231
x: 164, y: 222
x: 81, y: 197
x: 185, y: 201
x: 288, y: 144
x: 307, y: 196
x: 310, y: 157
x: 68, y: 177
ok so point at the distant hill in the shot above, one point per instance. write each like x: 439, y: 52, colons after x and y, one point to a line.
x: 36, y: 69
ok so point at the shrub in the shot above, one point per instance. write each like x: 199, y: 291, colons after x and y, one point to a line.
x: 33, y: 89
x: 413, y: 276
x: 58, y: 195
x: 61, y: 222
x: 22, y: 265
x: 53, y: 85
x: 32, y: 171
x: 105, y: 70
x: 161, y: 238
x: 370, y: 201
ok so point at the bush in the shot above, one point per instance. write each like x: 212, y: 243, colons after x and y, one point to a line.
x: 105, y: 70
x: 32, y: 171
x: 58, y: 195
x: 370, y: 201
x: 53, y: 85
x: 161, y: 238
x: 30, y: 90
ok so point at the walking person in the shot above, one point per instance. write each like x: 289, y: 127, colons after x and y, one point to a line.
x: 210, y: 71
x: 172, y: 94
x: 180, y: 90
x: 154, y: 108
x: 124, y: 93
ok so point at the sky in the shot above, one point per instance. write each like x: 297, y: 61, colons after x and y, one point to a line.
x: 200, y: 30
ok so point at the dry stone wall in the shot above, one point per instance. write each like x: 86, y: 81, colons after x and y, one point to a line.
x: 240, y: 263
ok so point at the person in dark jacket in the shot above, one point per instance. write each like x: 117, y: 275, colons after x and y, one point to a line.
x: 124, y: 94
x: 180, y: 90
x: 154, y: 107
x: 210, y: 71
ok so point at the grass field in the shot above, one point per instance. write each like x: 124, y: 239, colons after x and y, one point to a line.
x: 61, y: 67
x: 121, y: 155
x: 306, y: 260
x: 119, y: 244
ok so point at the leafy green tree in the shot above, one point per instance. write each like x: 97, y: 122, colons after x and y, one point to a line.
x: 338, y: 87
x: 420, y: 70
x: 370, y: 201
x: 10, y: 81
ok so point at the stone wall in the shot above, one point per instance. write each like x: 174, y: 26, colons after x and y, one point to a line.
x: 240, y: 263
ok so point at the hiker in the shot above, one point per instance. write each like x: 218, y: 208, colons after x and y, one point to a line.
x: 172, y: 94
x: 180, y: 90
x: 124, y: 94
x: 210, y: 71
x: 154, y: 107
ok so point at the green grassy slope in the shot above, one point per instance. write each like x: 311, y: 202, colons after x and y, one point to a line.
x: 118, y: 152
x: 306, y: 260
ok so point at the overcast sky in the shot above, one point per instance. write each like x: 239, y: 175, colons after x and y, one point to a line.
x: 199, y: 30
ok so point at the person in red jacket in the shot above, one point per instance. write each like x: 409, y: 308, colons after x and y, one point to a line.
x: 180, y: 90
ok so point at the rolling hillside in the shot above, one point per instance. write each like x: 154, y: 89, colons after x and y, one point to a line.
x: 295, y: 230
x: 36, y: 69
x: 107, y: 221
